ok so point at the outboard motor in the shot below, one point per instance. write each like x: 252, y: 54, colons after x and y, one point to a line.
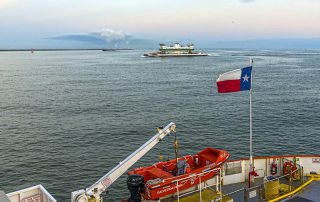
x: 135, y: 185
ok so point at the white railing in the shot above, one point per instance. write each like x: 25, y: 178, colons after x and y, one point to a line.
x: 217, y: 182
x: 31, y: 194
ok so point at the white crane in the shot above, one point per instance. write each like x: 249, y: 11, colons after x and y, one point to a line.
x: 92, y: 194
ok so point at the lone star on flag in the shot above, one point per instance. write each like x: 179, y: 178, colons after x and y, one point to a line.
x: 245, y: 78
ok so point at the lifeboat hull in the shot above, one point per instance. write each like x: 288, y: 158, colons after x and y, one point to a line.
x: 166, y: 178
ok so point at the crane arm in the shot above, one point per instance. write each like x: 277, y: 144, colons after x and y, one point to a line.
x: 93, y: 192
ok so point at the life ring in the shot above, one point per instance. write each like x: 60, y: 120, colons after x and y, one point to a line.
x: 289, y: 167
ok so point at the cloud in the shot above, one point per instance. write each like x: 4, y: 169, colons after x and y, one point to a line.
x: 112, y: 35
x: 105, y: 37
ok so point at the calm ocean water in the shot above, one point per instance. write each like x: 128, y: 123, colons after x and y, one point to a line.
x: 69, y: 117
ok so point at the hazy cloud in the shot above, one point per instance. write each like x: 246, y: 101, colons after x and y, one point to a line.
x: 112, y: 35
x: 106, y: 37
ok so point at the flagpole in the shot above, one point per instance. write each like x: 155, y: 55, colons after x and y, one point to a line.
x: 251, y: 158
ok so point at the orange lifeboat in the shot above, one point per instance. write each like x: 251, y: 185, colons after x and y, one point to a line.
x: 165, y: 178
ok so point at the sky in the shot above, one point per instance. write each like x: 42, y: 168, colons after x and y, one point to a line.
x: 41, y: 23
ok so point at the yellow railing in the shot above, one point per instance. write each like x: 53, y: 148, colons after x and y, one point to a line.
x: 312, y: 178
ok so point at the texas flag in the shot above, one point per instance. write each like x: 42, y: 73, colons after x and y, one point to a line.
x: 234, y: 81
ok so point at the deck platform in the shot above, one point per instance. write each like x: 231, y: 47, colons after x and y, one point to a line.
x: 310, y: 194
x: 235, y: 192
x: 207, y: 195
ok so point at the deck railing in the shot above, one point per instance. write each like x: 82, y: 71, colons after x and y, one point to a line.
x: 217, y: 184
x: 35, y: 193
x: 269, y: 187
x: 263, y: 189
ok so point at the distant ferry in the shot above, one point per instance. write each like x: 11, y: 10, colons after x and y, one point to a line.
x: 175, y: 50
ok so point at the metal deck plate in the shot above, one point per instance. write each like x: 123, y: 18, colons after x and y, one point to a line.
x: 310, y: 193
x: 299, y: 199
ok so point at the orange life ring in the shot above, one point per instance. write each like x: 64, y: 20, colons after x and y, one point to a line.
x: 289, y: 167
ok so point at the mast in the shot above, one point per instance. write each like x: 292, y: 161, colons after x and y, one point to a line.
x: 176, y: 152
x: 250, y: 98
x: 252, y: 173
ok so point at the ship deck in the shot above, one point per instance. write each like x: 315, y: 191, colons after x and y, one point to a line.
x: 235, y: 193
x: 310, y: 194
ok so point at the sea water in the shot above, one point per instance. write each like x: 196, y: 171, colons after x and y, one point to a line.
x: 69, y: 117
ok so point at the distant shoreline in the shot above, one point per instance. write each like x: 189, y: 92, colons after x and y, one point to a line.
x: 65, y: 49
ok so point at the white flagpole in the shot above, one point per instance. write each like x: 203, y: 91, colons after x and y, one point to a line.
x: 251, y: 159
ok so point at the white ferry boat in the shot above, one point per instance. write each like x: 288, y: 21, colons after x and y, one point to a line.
x: 175, y: 50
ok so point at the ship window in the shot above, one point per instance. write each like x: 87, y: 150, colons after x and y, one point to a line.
x: 233, y: 168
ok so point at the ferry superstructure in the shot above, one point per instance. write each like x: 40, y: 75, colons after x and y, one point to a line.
x: 175, y: 50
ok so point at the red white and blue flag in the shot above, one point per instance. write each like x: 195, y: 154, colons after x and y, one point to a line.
x: 234, y: 81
